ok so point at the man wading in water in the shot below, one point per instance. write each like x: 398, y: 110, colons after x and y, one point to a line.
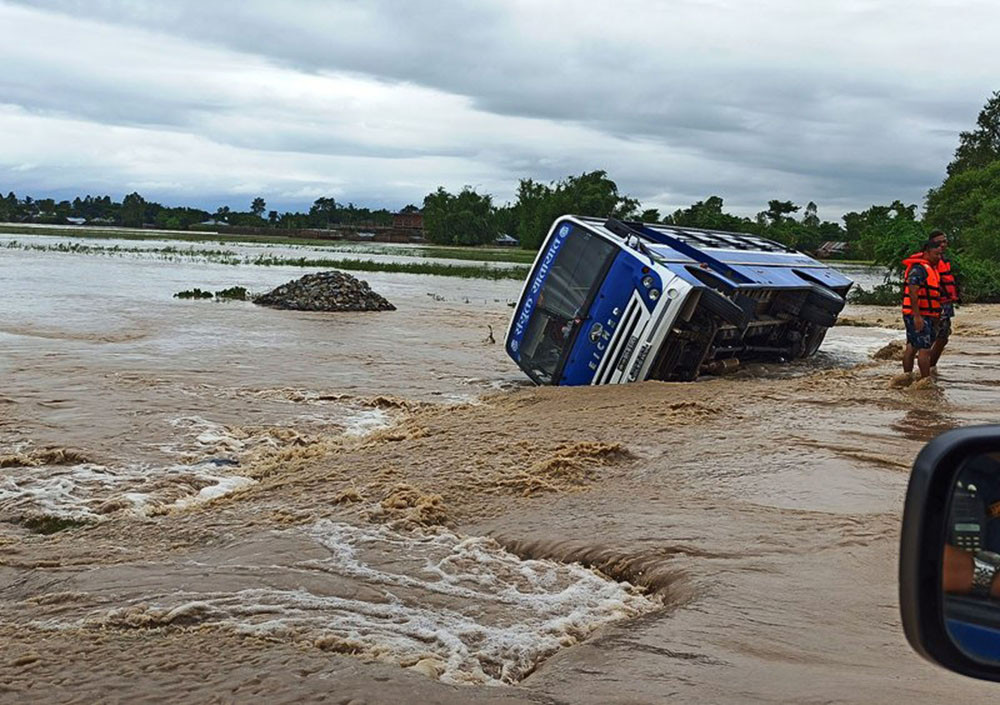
x: 949, y: 297
x: 921, y: 306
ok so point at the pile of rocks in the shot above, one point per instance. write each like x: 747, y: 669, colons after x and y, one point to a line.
x: 326, y: 291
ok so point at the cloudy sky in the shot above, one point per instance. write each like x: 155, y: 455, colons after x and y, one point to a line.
x: 213, y: 102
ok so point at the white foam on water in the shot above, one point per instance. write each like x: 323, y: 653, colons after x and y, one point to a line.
x: 224, y: 486
x: 470, y: 611
x: 458, y: 398
x: 200, y: 434
x: 216, y: 437
x: 140, y: 500
x: 361, y: 423
x: 208, y: 434
x: 79, y: 491
x: 83, y: 491
x: 53, y: 490
x: 505, y: 614
x: 506, y: 385
x: 492, y: 384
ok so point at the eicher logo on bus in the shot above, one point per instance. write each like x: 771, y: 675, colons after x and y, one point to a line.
x: 536, y: 284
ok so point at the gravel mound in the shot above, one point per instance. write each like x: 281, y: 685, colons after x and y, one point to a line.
x: 326, y: 291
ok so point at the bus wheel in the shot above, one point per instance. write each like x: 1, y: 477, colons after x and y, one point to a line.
x: 721, y: 307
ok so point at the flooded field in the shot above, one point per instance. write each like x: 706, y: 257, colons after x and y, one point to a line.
x: 212, y: 501
x: 269, y: 254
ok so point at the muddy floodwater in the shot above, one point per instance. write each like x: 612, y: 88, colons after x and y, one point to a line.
x: 216, y: 502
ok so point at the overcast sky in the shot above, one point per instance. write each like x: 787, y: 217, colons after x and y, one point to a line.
x: 379, y: 102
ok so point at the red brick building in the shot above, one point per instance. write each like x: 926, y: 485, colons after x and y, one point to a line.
x: 408, y: 220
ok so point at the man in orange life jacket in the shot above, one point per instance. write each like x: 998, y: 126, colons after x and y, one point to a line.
x: 921, y: 306
x: 949, y: 297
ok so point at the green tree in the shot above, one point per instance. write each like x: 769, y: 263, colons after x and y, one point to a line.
x: 977, y: 148
x: 591, y: 193
x: 982, y: 238
x: 956, y: 204
x: 133, y: 211
x: 810, y: 218
x: 258, y: 206
x: 533, y: 207
x: 505, y: 219
x: 778, y: 211
x: 709, y: 214
x: 322, y: 212
x: 247, y: 219
x: 967, y: 207
x: 778, y: 223
x: 887, y: 234
x: 466, y: 218
x: 437, y: 205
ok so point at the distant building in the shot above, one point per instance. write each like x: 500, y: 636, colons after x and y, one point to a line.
x: 830, y: 248
x: 214, y: 223
x: 408, y: 220
x: 507, y: 241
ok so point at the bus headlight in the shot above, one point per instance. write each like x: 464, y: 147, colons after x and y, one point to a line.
x: 654, y: 294
x: 672, y: 293
x: 647, y: 281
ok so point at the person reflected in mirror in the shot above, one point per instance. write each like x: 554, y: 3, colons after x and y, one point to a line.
x: 965, y: 573
x: 971, y: 561
x: 921, y: 306
x: 949, y: 297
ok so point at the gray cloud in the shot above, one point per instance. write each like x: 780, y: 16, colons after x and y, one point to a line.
x: 845, y: 106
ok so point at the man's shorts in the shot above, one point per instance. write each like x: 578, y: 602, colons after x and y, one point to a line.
x: 942, y: 328
x: 922, y: 339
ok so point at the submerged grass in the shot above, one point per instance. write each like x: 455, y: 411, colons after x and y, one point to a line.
x: 366, y: 265
x: 478, y: 255
x: 193, y: 294
x: 171, y: 253
x: 233, y: 293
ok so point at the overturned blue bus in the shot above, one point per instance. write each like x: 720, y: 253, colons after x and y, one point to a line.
x: 609, y: 302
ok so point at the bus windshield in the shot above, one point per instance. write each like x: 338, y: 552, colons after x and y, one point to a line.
x: 561, y: 307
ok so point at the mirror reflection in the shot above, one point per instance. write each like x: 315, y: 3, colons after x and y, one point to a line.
x: 971, y: 568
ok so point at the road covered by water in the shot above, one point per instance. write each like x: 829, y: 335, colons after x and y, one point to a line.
x: 207, y: 500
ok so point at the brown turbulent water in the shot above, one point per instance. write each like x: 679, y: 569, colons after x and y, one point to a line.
x: 262, y: 506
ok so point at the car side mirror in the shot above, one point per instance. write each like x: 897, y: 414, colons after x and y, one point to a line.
x: 949, y: 561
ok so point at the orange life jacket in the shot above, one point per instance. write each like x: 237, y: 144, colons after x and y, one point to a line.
x: 928, y: 295
x: 949, y: 289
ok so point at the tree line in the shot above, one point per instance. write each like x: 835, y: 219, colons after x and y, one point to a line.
x: 135, y: 211
x: 470, y: 218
